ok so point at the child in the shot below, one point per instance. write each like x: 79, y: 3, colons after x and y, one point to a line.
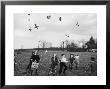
x: 54, y: 63
x: 93, y: 66
x: 71, y: 59
x: 30, y: 63
x: 76, y: 61
x: 63, y: 62
x: 34, y: 62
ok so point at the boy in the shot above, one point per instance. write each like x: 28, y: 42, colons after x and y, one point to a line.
x: 63, y: 62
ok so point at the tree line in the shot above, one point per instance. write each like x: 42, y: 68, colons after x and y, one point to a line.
x: 70, y: 45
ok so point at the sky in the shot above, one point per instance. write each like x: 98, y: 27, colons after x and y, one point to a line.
x: 53, y: 30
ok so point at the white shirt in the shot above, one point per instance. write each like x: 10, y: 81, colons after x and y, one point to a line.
x: 63, y: 59
x: 76, y: 57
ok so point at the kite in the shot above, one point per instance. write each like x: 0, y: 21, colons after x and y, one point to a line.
x: 77, y: 24
x: 60, y: 18
x: 36, y: 26
x: 30, y: 29
x: 67, y: 35
x: 48, y: 17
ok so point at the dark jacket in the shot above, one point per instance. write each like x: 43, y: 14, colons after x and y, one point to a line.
x: 54, y: 62
x: 35, y: 57
x: 71, y: 59
x: 32, y: 59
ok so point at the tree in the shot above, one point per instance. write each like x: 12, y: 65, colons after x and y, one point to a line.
x: 83, y: 43
x: 73, y: 45
x: 67, y: 44
x: 62, y: 44
x: 91, y: 44
x: 48, y: 44
x: 45, y: 44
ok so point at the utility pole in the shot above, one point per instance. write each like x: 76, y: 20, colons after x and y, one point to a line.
x: 63, y: 45
x: 38, y: 47
x: 38, y: 44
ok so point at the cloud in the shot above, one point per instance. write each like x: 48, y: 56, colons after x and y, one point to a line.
x: 22, y: 33
x: 52, y: 29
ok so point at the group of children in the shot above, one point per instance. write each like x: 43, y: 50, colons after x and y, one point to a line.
x: 63, y: 63
x: 55, y: 61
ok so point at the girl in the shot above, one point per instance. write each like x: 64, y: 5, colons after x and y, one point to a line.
x: 76, y: 61
x: 54, y: 64
x: 71, y: 59
x: 34, y: 62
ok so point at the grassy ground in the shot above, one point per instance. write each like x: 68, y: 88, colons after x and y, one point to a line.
x: 22, y: 61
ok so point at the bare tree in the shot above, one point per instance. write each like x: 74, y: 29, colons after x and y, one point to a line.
x: 73, y: 44
x: 62, y: 43
x: 45, y: 44
x: 83, y: 42
x: 67, y: 44
x: 48, y: 44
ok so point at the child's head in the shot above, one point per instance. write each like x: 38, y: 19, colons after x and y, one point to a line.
x: 63, y: 55
x: 71, y: 55
x: 92, y: 58
x: 33, y: 53
x: 76, y: 55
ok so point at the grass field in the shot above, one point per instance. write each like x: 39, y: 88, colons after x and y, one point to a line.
x: 22, y: 60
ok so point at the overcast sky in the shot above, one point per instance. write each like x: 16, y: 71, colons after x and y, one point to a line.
x: 53, y: 30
